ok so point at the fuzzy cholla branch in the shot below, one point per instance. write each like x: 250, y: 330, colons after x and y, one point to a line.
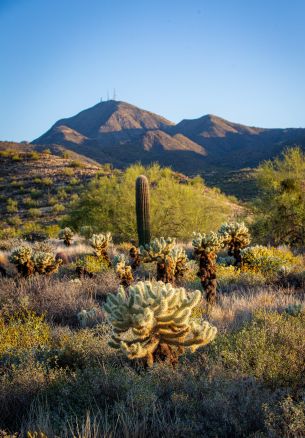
x: 236, y: 236
x: 45, y: 262
x: 123, y: 270
x: 206, y: 247
x: 157, y: 249
x: 171, y: 260
x: 66, y: 235
x: 29, y: 262
x: 153, y: 319
x: 100, y: 243
x: 208, y: 243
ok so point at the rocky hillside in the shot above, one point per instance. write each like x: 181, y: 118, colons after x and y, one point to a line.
x: 120, y: 133
x: 38, y: 187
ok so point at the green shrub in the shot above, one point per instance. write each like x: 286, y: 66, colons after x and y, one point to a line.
x: 176, y: 209
x: 58, y: 208
x: 269, y: 261
x: 11, y: 206
x: 22, y: 331
x: 34, y: 212
x: 280, y: 207
x: 47, y: 181
x: 271, y: 348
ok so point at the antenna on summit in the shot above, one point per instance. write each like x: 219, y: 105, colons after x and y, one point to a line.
x: 114, y: 94
x: 107, y: 95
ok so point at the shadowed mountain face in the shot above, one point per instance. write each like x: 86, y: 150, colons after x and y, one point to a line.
x: 121, y: 134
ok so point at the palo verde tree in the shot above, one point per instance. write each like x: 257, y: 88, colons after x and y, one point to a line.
x: 280, y: 208
x: 109, y: 203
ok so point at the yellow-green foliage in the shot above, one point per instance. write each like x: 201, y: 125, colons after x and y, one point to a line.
x: 280, y: 206
x: 152, y: 315
x: 208, y: 243
x: 92, y: 264
x: 271, y: 347
x: 23, y: 331
x: 230, y: 276
x: 100, y: 243
x: 109, y: 203
x: 269, y: 260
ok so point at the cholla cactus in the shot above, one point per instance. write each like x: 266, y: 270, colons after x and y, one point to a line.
x: 236, y: 236
x: 45, y: 262
x: 159, y: 250
x: 206, y: 247
x: 153, y: 322
x: 100, y: 244
x: 123, y: 271
x: 29, y: 262
x: 66, y: 235
x: 179, y: 258
x: 22, y: 258
x: 135, y: 257
x: 87, y: 317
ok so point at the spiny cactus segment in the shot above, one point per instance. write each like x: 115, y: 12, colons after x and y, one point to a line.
x: 29, y: 262
x: 236, y: 237
x: 123, y: 270
x: 100, y: 243
x: 206, y: 247
x: 171, y: 261
x: 152, y: 322
x: 66, y: 235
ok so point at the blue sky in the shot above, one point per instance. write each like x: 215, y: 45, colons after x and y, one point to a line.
x: 241, y: 60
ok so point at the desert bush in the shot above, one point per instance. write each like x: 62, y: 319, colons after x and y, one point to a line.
x: 280, y: 207
x: 269, y: 261
x: 86, y: 231
x: 21, y: 331
x: 34, y: 212
x: 179, y: 208
x: 58, y: 208
x: 271, y: 347
x: 11, y: 205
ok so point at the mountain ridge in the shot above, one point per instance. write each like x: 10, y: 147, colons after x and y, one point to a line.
x: 121, y: 133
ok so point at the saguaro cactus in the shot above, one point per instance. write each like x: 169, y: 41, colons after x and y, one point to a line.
x: 143, y: 210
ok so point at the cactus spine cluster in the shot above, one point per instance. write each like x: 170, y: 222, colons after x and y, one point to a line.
x: 29, y: 262
x: 143, y: 210
x: 66, y: 235
x: 153, y: 322
x: 100, y: 243
x: 236, y: 237
x: 206, y: 247
x: 123, y: 270
x: 171, y: 260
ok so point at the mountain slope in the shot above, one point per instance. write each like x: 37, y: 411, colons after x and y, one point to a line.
x: 120, y: 133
